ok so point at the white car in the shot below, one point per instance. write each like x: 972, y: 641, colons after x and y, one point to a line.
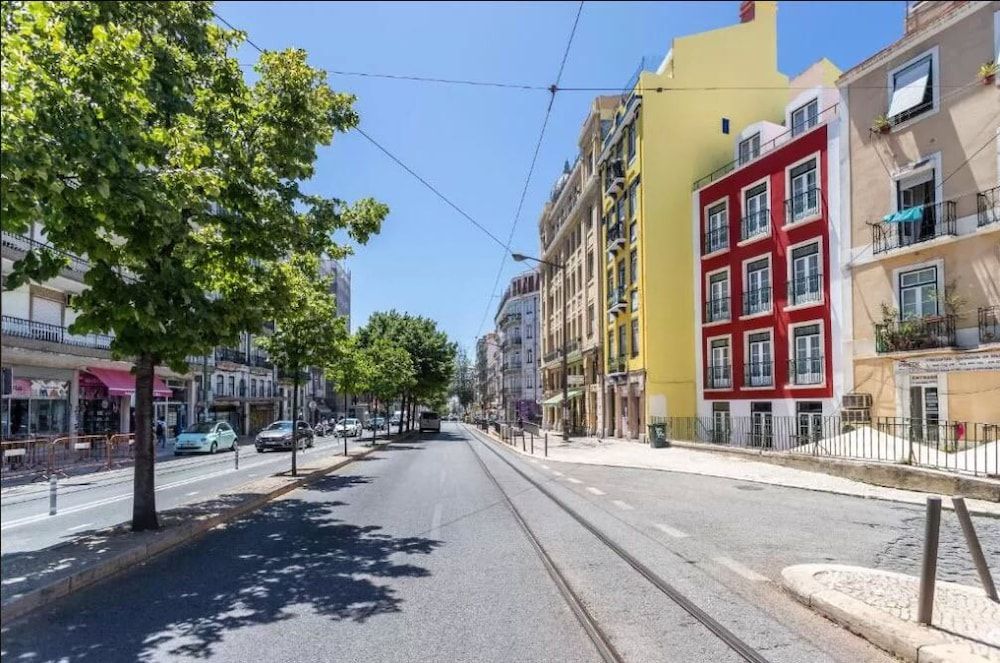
x: 348, y: 428
x: 430, y: 421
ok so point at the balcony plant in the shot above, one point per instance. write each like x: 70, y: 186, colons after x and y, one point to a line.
x: 881, y: 124
x: 988, y: 72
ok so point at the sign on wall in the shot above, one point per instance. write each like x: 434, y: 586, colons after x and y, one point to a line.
x: 988, y: 361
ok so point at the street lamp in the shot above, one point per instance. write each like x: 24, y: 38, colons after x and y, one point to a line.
x: 520, y: 257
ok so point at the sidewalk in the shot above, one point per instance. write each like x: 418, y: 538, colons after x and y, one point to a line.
x: 625, y: 453
x: 881, y: 606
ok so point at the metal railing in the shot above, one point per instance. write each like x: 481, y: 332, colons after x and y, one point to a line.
x: 757, y: 301
x: 715, y: 240
x: 40, y: 458
x: 806, y: 371
x: 616, y: 298
x: 915, y: 334
x: 717, y: 309
x: 988, y: 207
x: 803, y: 205
x: 755, y: 225
x: 614, y: 176
x: 22, y: 244
x: 617, y: 364
x: 955, y: 446
x: 41, y: 331
x: 616, y: 234
x: 805, y: 289
x: 719, y: 376
x: 758, y: 374
x: 229, y: 354
x: 261, y: 361
x: 989, y: 327
x: 937, y: 220
x: 511, y: 341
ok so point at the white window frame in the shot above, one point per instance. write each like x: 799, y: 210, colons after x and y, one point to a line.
x: 820, y: 189
x: 746, y: 360
x: 822, y: 348
x: 766, y: 181
x: 744, y: 281
x: 708, y: 291
x: 934, y: 53
x: 751, y: 155
x: 790, y: 273
x: 728, y: 338
x: 804, y: 107
x: 707, y: 226
x: 939, y: 285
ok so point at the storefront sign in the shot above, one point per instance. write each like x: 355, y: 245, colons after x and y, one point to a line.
x: 50, y: 389
x: 988, y: 361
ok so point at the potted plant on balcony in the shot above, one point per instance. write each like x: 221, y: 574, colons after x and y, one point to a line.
x: 988, y: 72
x: 881, y: 124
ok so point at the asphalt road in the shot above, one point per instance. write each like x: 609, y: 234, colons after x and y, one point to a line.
x: 102, y: 499
x: 413, y: 555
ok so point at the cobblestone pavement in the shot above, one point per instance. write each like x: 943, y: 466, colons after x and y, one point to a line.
x: 960, y: 615
x: 954, y: 561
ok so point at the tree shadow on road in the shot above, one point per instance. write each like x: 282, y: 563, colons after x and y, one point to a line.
x: 292, y: 557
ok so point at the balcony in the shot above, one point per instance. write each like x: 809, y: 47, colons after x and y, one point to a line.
x: 757, y: 301
x: 616, y: 300
x: 719, y: 376
x: 806, y: 370
x: 40, y: 331
x: 715, y: 240
x: 512, y: 341
x: 989, y: 329
x: 988, y: 207
x: 717, y: 309
x: 614, y: 177
x: 512, y: 365
x: 913, y: 226
x: 616, y: 236
x: 285, y: 374
x: 757, y: 224
x: 551, y: 356
x: 617, y: 365
x: 802, y: 205
x: 510, y: 319
x: 936, y: 331
x: 758, y: 374
x: 231, y: 355
x: 806, y: 289
x: 261, y: 361
x: 17, y: 246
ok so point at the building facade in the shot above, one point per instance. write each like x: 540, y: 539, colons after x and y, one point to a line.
x: 330, y: 402
x: 570, y: 235
x: 488, y: 374
x: 517, y: 334
x: 770, y: 304
x: 656, y: 145
x: 920, y: 171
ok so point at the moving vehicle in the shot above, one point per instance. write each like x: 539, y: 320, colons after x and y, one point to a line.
x: 209, y: 436
x: 430, y: 421
x: 279, y: 436
x: 376, y: 423
x: 349, y: 427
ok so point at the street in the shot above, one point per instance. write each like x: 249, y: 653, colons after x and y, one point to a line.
x: 412, y: 554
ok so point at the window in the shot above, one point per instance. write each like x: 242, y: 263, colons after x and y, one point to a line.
x: 719, y: 369
x: 621, y: 274
x: 530, y: 358
x: 805, y: 196
x: 717, y: 234
x: 809, y: 418
x: 620, y: 210
x: 805, y: 284
x: 633, y: 198
x: 760, y: 368
x: 634, y: 297
x: 220, y: 385
x: 253, y: 387
x: 805, y: 117
x: 590, y: 320
x: 913, y: 193
x: 760, y: 425
x: 633, y: 232
x: 807, y: 364
x: 757, y: 297
x: 755, y: 212
x: 918, y: 293
x: 232, y: 385
x: 635, y: 337
x: 621, y: 340
x: 721, y: 423
x: 912, y: 90
x: 718, y: 297
x: 633, y: 262
x: 749, y: 149
x: 611, y: 345
x: 631, y: 143
x: 590, y: 266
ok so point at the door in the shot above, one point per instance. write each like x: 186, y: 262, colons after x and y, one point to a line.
x: 809, y: 422
x: 719, y: 369
x: 718, y: 307
x: 756, y: 211
x: 925, y: 413
x: 758, y: 288
x: 916, y: 194
x: 760, y: 425
x: 808, y: 369
x: 805, y: 274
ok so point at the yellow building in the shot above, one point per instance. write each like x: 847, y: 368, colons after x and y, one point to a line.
x: 673, y: 124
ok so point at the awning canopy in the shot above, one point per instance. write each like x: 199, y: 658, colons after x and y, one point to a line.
x: 122, y: 383
x: 905, y: 215
x: 557, y: 399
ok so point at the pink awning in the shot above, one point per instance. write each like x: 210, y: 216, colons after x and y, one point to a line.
x: 122, y: 383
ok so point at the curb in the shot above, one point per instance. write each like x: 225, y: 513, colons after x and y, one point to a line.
x: 159, y: 543
x: 907, y: 640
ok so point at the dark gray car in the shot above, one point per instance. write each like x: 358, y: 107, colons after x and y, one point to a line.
x: 279, y: 436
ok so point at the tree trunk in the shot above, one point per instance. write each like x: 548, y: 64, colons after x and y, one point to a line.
x: 144, y: 485
x: 402, y: 406
x: 295, y: 422
x: 374, y: 412
x: 345, y: 405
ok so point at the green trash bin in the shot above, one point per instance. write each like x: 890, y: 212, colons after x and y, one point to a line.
x: 658, y: 436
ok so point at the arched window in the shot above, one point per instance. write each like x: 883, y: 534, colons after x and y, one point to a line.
x: 243, y: 388
x: 253, y: 387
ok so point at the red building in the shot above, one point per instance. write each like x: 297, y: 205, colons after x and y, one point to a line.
x: 768, y: 280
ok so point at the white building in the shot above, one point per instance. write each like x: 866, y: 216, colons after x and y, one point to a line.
x: 517, y: 328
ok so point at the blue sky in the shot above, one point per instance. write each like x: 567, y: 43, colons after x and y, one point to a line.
x: 475, y: 144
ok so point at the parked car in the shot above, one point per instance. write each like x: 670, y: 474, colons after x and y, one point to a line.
x: 376, y: 423
x: 207, y: 436
x: 430, y: 421
x: 349, y: 427
x: 279, y: 436
x: 394, y: 420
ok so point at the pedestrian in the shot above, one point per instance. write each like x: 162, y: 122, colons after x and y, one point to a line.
x: 161, y: 432
x: 520, y: 421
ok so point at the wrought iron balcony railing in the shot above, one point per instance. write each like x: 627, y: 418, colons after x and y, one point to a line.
x: 758, y: 374
x: 988, y: 207
x: 715, y: 240
x: 926, y: 333
x: 803, y: 205
x: 806, y: 370
x: 617, y: 365
x: 805, y: 289
x: 40, y: 331
x: 989, y: 328
x: 717, y: 309
x: 928, y: 222
x: 757, y: 301
x: 719, y: 376
x: 755, y: 224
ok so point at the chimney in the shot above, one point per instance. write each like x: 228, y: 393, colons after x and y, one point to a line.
x: 746, y: 11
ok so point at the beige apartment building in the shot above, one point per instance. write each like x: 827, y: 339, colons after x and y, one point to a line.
x: 920, y: 169
x: 570, y: 235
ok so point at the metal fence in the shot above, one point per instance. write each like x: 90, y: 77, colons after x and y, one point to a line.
x: 41, y: 458
x: 956, y: 446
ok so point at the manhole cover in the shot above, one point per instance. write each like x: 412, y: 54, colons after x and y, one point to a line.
x: 749, y: 487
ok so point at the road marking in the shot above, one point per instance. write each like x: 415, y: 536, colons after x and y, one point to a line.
x: 557, y: 473
x: 73, y: 529
x: 544, y: 466
x: 572, y: 480
x: 534, y: 461
x: 671, y: 531
x: 436, y: 522
x: 596, y: 491
x: 193, y: 492
x: 739, y: 569
x: 622, y: 505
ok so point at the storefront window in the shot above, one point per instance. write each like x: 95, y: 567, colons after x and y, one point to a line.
x: 36, y: 407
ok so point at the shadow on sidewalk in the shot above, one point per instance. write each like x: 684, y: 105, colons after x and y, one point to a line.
x: 291, y: 557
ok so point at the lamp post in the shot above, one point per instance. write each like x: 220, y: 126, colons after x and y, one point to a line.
x: 520, y: 257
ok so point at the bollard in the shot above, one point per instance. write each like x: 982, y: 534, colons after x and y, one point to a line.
x: 974, y: 548
x: 522, y: 440
x: 52, y: 495
x: 236, y: 454
x: 546, y: 445
x: 928, y: 571
x: 345, y: 443
x: 532, y: 444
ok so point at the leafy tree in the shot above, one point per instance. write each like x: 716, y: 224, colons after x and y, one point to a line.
x: 307, y: 330
x: 129, y: 130
x: 391, y: 373
x: 463, y: 379
x: 350, y: 370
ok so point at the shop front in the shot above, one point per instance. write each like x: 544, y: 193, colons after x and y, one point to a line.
x: 38, y: 403
x: 107, y: 400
